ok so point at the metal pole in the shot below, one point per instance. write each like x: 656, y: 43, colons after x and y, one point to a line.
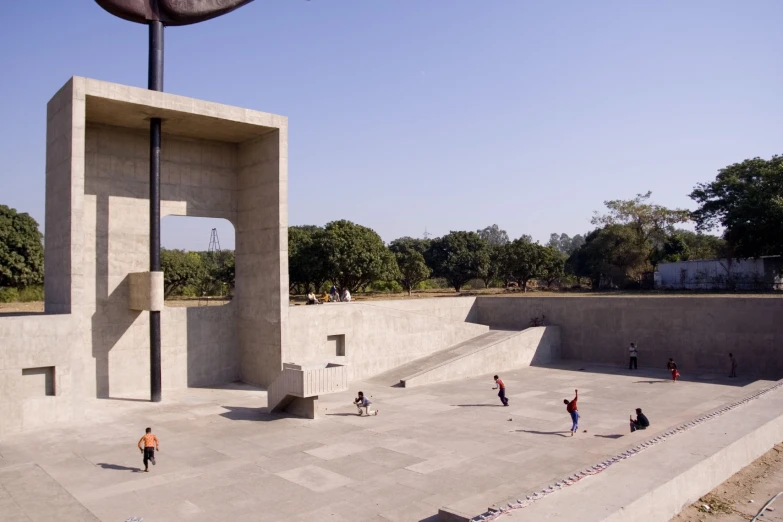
x: 155, y: 83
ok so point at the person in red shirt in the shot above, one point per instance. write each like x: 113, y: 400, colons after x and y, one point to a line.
x: 573, y: 411
x: 502, y: 393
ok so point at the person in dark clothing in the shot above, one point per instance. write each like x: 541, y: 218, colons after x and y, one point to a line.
x: 733, y: 366
x: 641, y: 422
x: 672, y: 367
x: 633, y: 363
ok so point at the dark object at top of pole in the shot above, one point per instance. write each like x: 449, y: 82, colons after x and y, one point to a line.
x: 155, y: 71
x: 170, y: 12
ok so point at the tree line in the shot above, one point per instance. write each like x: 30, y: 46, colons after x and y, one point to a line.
x: 744, y: 202
x: 353, y: 256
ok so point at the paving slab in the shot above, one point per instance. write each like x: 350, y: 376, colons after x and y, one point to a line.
x: 224, y: 457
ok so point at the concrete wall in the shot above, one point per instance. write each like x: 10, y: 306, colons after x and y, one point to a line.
x: 449, y: 308
x: 216, y: 161
x: 539, y: 345
x: 698, y: 332
x: 378, y: 336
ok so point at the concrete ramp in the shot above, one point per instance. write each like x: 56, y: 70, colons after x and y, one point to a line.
x: 494, y: 351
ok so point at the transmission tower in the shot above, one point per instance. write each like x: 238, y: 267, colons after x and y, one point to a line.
x: 427, y: 235
x: 214, y: 243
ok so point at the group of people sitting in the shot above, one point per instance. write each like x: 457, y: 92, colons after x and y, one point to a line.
x: 332, y: 297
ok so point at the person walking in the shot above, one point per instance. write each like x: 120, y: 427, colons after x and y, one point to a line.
x: 672, y: 367
x: 733, y: 366
x: 363, y: 402
x: 148, y: 445
x: 573, y: 411
x: 634, y: 353
x: 641, y: 422
x: 502, y: 387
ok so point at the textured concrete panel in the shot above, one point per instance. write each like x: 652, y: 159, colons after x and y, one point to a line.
x: 698, y: 332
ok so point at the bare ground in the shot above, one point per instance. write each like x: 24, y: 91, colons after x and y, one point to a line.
x: 38, y: 306
x: 731, y: 501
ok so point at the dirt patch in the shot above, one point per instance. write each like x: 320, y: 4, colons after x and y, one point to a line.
x: 24, y: 308
x: 743, y: 495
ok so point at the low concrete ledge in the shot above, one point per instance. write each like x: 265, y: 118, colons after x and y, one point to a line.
x: 297, y: 388
x: 146, y: 291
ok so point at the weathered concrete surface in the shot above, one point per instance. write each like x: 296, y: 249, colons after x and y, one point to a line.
x: 377, y: 338
x: 224, y: 458
x: 676, y: 473
x: 698, y: 332
x: 504, y: 352
x: 397, y: 375
x: 217, y: 161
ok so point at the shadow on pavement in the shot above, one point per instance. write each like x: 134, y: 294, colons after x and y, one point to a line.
x: 478, y: 405
x: 118, y: 468
x: 557, y: 433
x: 240, y: 413
x: 615, y: 436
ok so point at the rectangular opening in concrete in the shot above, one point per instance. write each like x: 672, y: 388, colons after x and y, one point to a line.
x: 336, y: 344
x: 203, y: 277
x: 38, y: 382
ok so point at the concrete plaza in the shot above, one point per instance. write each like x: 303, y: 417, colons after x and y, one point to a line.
x: 224, y: 458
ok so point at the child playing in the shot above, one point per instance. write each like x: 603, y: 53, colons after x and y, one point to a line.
x: 502, y: 393
x: 363, y: 402
x: 672, y: 367
x: 573, y: 411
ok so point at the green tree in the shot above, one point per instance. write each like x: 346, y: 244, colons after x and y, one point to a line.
x: 306, y: 266
x: 650, y: 223
x: 412, y: 269
x: 354, y: 256
x: 493, y: 235
x: 180, y: 269
x: 458, y: 257
x: 610, y: 256
x: 674, y: 249
x: 493, y: 268
x: 21, y: 249
x: 552, y: 265
x: 524, y: 261
x: 564, y: 243
x: 746, y: 199
x: 703, y: 246
x: 409, y: 254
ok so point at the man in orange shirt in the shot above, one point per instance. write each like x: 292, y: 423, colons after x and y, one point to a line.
x: 502, y: 393
x: 573, y: 411
x: 148, y: 444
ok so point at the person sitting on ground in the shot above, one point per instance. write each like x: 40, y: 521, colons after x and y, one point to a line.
x: 346, y: 296
x: 641, y: 422
x: 334, y: 295
x: 363, y: 402
x: 311, y: 298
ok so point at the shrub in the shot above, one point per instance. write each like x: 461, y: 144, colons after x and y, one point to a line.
x: 9, y: 295
x: 31, y: 293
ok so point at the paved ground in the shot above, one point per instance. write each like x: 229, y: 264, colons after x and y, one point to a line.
x: 223, y: 458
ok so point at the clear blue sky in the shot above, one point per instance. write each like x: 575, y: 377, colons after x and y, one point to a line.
x: 454, y: 114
